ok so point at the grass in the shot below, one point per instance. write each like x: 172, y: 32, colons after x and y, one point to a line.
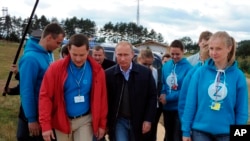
x: 9, y: 105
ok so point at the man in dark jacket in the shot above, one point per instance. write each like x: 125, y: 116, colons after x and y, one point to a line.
x: 131, y: 97
x: 98, y: 54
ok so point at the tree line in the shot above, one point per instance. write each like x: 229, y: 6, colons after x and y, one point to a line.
x: 12, y: 28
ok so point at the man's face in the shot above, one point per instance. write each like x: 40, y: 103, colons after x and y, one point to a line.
x: 203, y: 43
x: 52, y: 43
x: 78, y: 54
x: 98, y: 55
x: 124, y: 55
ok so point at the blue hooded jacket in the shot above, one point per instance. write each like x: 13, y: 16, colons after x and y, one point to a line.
x: 215, y: 100
x: 184, y: 89
x: 32, y: 66
x: 172, y: 77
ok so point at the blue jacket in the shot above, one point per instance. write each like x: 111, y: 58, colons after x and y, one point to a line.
x: 32, y: 66
x: 171, y: 85
x: 215, y: 100
x: 184, y: 89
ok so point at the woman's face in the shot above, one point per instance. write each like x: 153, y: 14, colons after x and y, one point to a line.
x: 176, y: 54
x: 218, y: 50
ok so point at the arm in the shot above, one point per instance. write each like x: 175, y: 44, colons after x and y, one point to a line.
x: 28, y: 80
x: 29, y: 71
x: 241, y: 106
x: 152, y: 99
x: 45, y: 100
x: 183, y: 94
x: 190, y: 106
x: 104, y: 101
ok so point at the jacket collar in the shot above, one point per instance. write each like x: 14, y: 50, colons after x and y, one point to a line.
x: 135, y: 68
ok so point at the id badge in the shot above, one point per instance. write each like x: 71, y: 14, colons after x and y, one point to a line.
x: 215, y: 106
x: 79, y: 99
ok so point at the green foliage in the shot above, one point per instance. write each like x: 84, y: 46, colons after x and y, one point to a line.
x: 244, y: 65
x: 75, y: 25
x: 190, y: 46
x: 130, y: 32
x: 243, y: 49
x: 13, y: 37
x: 13, y: 28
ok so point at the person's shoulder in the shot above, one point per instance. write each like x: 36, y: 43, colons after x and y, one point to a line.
x: 58, y: 62
x: 140, y: 68
x: 107, y: 64
x: 196, y: 55
x: 193, y: 59
x: 28, y: 58
x: 154, y: 69
x: 111, y: 69
x: 236, y: 70
x: 168, y: 63
x: 109, y: 61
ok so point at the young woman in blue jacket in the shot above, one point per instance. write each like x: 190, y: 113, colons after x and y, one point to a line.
x: 217, y: 95
x: 173, y: 73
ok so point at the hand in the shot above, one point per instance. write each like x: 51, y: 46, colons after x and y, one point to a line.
x: 162, y: 99
x: 14, y: 69
x: 146, y: 126
x: 100, y: 134
x: 186, y: 139
x: 48, y: 135
x: 34, y: 128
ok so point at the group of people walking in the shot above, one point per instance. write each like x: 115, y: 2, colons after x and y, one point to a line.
x: 85, y: 97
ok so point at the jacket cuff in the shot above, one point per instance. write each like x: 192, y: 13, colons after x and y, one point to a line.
x: 186, y: 134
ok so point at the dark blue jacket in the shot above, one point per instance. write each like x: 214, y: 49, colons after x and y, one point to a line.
x: 142, y: 94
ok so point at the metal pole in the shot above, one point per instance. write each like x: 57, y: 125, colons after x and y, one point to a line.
x: 20, y: 47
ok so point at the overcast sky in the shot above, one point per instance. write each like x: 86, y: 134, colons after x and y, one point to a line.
x: 173, y: 18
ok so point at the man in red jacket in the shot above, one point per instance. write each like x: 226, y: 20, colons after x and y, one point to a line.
x: 73, y: 97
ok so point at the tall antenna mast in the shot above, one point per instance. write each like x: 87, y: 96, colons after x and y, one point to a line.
x: 5, y: 11
x: 138, y: 13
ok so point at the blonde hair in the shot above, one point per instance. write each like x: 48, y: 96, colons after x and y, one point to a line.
x: 229, y: 42
x: 146, y: 53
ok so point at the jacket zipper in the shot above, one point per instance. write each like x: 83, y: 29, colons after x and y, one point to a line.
x: 120, y: 99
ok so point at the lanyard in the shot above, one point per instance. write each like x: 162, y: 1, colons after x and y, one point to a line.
x: 217, y: 83
x: 173, y: 79
x: 80, y: 80
x: 217, y: 87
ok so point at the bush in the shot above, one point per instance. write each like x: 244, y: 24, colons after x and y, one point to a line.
x: 248, y: 70
x: 244, y: 65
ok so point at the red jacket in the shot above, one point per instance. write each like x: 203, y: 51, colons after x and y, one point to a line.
x: 52, y: 108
